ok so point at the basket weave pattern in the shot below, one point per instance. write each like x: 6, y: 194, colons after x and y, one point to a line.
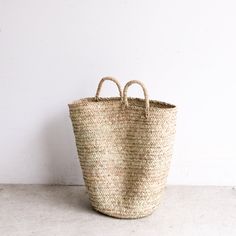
x: 124, y: 146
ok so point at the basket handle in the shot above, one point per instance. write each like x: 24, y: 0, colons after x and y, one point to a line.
x: 100, y: 86
x: 144, y: 91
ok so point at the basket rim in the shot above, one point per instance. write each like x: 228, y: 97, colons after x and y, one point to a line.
x: 153, y: 103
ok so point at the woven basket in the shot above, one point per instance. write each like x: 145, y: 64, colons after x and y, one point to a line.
x: 124, y: 146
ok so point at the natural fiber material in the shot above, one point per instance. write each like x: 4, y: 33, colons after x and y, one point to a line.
x: 124, y: 146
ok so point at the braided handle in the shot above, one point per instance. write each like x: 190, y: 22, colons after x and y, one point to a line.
x: 144, y: 91
x: 100, y: 86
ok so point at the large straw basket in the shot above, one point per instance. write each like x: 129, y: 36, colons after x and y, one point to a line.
x: 124, y: 146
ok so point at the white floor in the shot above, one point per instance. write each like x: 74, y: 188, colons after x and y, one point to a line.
x: 65, y: 210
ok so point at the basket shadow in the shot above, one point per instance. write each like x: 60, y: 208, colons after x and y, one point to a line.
x: 60, y: 158
x: 63, y: 169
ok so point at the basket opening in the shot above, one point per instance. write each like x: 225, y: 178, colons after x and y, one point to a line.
x: 139, y: 102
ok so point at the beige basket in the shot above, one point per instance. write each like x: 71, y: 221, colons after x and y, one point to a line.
x: 124, y: 146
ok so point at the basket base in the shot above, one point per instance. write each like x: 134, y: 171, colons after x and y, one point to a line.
x: 124, y: 215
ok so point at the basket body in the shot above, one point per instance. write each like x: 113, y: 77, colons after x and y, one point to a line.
x: 124, y: 156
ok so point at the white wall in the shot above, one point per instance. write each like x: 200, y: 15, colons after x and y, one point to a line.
x: 52, y: 52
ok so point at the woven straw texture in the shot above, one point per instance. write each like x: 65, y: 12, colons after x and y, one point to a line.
x: 124, y: 146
